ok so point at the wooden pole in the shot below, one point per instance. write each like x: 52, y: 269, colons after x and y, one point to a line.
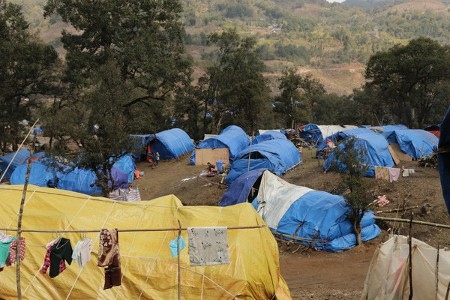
x: 411, y: 221
x: 410, y: 259
x: 178, y: 257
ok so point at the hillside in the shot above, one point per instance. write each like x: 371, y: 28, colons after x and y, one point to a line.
x: 332, y: 41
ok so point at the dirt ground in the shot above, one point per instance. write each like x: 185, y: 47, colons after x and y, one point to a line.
x: 314, y: 274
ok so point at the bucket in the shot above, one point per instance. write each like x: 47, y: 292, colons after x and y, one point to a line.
x: 219, y: 165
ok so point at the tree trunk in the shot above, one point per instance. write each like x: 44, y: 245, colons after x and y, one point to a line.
x: 357, y: 230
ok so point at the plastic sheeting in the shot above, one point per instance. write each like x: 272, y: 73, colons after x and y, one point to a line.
x: 268, y: 135
x: 239, y: 190
x: 417, y: 143
x: 40, y: 175
x: 232, y: 137
x: 388, y: 278
x: 374, y: 144
x: 444, y: 159
x: 9, y: 162
x: 276, y: 155
x: 148, y: 268
x: 172, y: 143
x: 318, y: 217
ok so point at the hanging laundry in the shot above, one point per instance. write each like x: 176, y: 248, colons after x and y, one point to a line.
x: 175, y: 243
x: 208, y: 246
x: 109, y: 257
x: 13, y: 251
x: 381, y: 173
x: 5, y: 243
x: 58, y: 252
x: 82, y: 252
x: 394, y: 174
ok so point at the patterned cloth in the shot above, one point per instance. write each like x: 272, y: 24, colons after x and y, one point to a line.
x: 381, y: 173
x: 13, y: 251
x: 208, y: 246
x: 109, y: 257
x: 57, y: 265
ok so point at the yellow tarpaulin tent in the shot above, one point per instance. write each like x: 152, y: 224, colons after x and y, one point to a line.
x: 149, y: 271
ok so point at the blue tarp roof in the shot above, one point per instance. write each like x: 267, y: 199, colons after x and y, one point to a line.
x: 276, y: 155
x: 232, y: 137
x: 13, y: 159
x: 171, y: 143
x: 318, y: 217
x: 416, y: 143
x: 444, y: 159
x: 268, y: 135
x: 239, y: 190
x: 311, y: 133
x: 375, y: 145
x: 40, y: 175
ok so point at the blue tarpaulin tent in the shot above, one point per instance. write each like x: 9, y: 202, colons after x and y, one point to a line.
x: 268, y: 135
x: 9, y: 162
x: 444, y: 158
x: 276, y: 155
x: 375, y: 147
x: 417, y: 143
x: 240, y: 189
x: 318, y: 218
x: 232, y: 137
x: 40, y: 175
x: 171, y: 143
x: 79, y: 180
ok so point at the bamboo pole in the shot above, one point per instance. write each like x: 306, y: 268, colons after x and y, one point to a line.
x: 413, y: 221
x: 411, y: 291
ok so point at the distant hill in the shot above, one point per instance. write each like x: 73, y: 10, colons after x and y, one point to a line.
x: 332, y: 41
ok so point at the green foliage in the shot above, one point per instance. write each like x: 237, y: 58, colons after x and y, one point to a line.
x: 408, y: 81
x: 349, y: 161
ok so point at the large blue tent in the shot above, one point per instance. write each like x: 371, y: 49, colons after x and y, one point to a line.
x: 374, y: 145
x: 444, y: 159
x: 10, y: 161
x: 315, y: 218
x: 276, y: 155
x: 417, y: 143
x: 232, y: 137
x: 171, y: 143
x: 40, y: 175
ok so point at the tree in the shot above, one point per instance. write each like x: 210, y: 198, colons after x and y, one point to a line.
x: 409, y: 79
x: 143, y: 37
x: 298, y: 96
x: 234, y: 84
x: 348, y: 160
x: 27, y: 67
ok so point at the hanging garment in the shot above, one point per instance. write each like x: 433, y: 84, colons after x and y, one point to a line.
x: 59, y: 253
x: 109, y: 257
x: 381, y: 173
x: 394, y: 174
x: 82, y: 252
x: 208, y: 246
x: 5, y: 244
x: 13, y: 251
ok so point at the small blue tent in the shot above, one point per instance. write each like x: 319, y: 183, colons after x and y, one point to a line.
x: 311, y: 133
x: 232, y: 137
x: 40, y: 175
x: 444, y: 159
x: 417, y: 143
x: 127, y: 166
x: 240, y: 189
x: 374, y: 144
x: 276, y: 155
x: 79, y: 180
x: 11, y: 161
x: 171, y: 143
x: 317, y: 218
x: 268, y: 135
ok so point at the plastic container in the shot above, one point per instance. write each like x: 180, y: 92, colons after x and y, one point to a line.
x: 219, y: 165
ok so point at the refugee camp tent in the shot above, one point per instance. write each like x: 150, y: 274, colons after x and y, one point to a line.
x: 232, y: 138
x: 171, y: 143
x: 315, y: 134
x: 10, y: 161
x: 444, y: 158
x: 148, y: 237
x: 268, y: 135
x: 388, y: 275
x: 316, y: 218
x: 276, y: 155
x: 79, y: 180
x: 374, y: 145
x: 40, y: 175
x: 417, y: 143
x: 240, y: 190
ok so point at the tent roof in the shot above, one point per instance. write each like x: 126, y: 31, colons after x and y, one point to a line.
x: 416, y: 143
x: 232, y: 137
x: 12, y: 159
x: 172, y: 143
x: 149, y: 270
x: 239, y: 190
x: 268, y: 135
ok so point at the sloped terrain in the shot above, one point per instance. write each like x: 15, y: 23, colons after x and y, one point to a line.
x: 311, y: 274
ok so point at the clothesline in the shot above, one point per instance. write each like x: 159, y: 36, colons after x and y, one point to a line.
x: 124, y: 230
